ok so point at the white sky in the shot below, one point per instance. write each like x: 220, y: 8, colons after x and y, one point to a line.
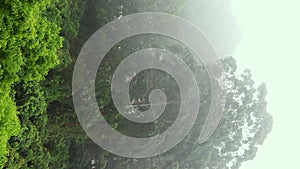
x: 271, y: 49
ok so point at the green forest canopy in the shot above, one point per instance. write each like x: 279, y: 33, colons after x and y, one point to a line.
x: 39, y: 43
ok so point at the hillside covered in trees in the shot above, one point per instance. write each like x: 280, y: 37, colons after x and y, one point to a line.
x: 39, y: 44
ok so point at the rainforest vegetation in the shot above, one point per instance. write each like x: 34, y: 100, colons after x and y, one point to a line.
x: 39, y: 43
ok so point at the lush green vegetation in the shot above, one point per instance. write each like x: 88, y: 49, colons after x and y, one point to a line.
x: 29, y: 43
x: 39, y: 43
x: 32, y: 34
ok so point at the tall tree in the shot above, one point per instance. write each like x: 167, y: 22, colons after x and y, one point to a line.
x: 244, y: 126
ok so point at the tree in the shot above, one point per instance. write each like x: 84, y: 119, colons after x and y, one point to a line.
x: 244, y: 126
x: 245, y: 122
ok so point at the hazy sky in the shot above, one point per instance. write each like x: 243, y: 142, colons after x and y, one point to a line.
x: 271, y: 49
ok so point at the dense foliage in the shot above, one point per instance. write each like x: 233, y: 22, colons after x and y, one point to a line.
x: 28, y: 49
x: 30, y: 46
x: 39, y: 43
